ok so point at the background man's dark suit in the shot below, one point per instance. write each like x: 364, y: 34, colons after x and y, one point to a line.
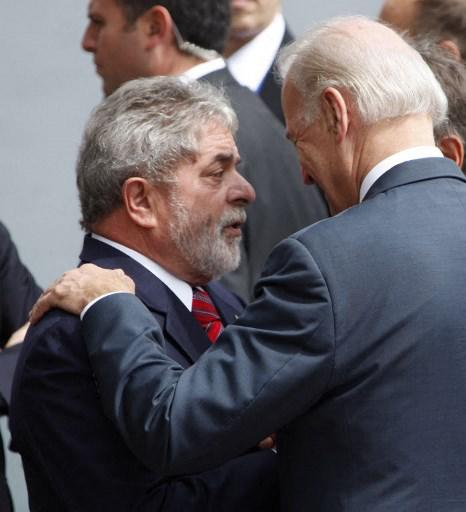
x: 18, y: 292
x: 73, y: 457
x: 359, y: 333
x: 270, y: 90
x: 283, y: 205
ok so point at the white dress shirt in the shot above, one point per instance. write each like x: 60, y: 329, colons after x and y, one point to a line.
x: 250, y: 63
x: 204, y: 68
x: 398, y: 158
x: 180, y: 288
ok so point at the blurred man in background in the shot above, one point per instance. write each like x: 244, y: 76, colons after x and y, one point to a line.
x: 257, y: 32
x: 450, y: 135
x: 19, y: 291
x: 442, y: 20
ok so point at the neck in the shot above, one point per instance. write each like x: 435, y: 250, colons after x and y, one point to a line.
x: 176, y: 63
x: 235, y: 43
x: 388, y: 137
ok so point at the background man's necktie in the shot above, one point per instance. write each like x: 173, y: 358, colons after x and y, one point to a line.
x: 206, y: 314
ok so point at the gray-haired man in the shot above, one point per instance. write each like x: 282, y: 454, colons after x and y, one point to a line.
x: 161, y: 199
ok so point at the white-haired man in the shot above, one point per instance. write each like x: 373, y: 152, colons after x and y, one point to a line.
x: 354, y: 349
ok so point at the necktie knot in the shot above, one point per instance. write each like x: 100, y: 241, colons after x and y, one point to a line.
x: 206, y: 314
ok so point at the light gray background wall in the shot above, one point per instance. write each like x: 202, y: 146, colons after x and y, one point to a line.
x: 48, y: 88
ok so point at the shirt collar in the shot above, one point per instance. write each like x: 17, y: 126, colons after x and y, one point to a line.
x: 180, y: 288
x: 250, y: 63
x: 403, y: 156
x: 204, y: 68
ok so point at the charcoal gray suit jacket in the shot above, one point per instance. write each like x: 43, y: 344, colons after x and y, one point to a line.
x: 354, y: 351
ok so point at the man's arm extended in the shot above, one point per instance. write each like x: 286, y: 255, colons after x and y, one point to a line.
x: 268, y: 368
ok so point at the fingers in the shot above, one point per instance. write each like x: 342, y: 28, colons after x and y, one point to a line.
x: 18, y: 336
x: 78, y: 287
x: 44, y: 303
x: 268, y: 443
x: 54, y: 296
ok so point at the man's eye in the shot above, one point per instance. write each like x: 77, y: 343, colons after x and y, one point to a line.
x: 218, y: 174
x: 96, y: 21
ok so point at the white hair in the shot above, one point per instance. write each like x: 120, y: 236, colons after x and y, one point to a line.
x: 385, y: 80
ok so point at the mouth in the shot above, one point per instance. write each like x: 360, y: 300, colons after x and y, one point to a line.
x: 233, y: 230
x: 232, y: 227
x: 98, y: 68
x: 239, y: 4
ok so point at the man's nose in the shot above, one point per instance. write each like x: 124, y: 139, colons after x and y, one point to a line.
x: 88, y: 42
x: 241, y: 191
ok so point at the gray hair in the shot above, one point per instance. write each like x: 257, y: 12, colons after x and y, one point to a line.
x: 385, y: 80
x: 442, y: 19
x: 451, y: 73
x: 146, y: 128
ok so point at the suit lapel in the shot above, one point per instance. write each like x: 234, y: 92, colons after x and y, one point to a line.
x: 228, y: 306
x: 270, y: 89
x: 221, y: 77
x: 415, y: 171
x: 178, y: 324
x: 270, y: 84
x: 185, y: 330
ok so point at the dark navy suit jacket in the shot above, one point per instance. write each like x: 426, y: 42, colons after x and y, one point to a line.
x: 354, y: 350
x: 74, y: 459
x: 271, y: 90
x: 18, y: 292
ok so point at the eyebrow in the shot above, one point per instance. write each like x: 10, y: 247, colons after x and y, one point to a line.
x: 226, y: 158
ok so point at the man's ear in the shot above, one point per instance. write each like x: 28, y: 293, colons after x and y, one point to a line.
x: 336, y: 112
x: 453, y: 148
x: 139, y: 200
x: 451, y: 47
x: 157, y: 25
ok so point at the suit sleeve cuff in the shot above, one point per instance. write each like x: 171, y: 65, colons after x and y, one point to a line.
x: 86, y: 309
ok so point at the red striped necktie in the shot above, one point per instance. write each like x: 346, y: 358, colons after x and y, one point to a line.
x: 206, y: 314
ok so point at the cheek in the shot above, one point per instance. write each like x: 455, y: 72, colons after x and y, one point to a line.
x: 306, y: 154
x: 109, y: 46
